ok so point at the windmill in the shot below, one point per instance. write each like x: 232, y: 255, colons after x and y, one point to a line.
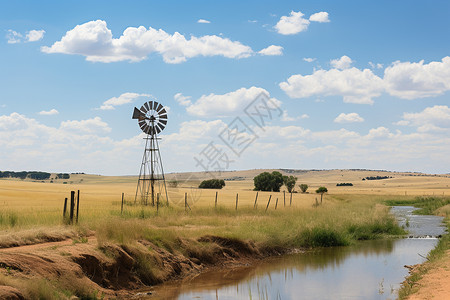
x: 152, y: 118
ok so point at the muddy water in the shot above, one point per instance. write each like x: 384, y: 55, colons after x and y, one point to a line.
x: 368, y: 270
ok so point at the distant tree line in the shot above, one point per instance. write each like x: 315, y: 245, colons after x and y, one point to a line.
x: 376, y: 177
x: 35, y: 175
x: 63, y: 176
x: 345, y: 184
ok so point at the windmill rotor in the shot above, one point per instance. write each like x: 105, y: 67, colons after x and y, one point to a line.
x: 152, y: 117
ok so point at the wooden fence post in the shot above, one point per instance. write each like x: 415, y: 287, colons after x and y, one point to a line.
x: 157, y: 203
x: 256, y: 199
x: 284, y: 198
x: 215, y: 202
x: 290, y: 201
x: 276, y: 203
x: 65, y: 208
x: 121, y: 208
x: 237, y: 197
x: 72, y: 205
x: 78, y: 204
x: 185, y: 201
x: 268, y: 202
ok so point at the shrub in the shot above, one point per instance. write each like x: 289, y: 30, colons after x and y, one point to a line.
x: 212, y: 184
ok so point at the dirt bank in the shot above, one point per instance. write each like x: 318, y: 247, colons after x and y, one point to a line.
x: 86, y: 269
x: 435, y: 283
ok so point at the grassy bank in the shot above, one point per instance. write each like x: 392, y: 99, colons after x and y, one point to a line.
x: 427, y: 206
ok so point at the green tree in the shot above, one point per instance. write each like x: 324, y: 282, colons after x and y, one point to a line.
x: 289, y: 182
x: 321, y: 190
x: 268, y: 181
x: 212, y: 184
x: 303, y: 187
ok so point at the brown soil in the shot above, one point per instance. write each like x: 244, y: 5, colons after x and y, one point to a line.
x: 435, y: 284
x: 114, y: 271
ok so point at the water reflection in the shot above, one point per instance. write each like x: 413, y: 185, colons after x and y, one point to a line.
x: 368, y: 270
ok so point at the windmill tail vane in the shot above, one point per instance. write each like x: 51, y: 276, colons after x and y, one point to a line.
x: 152, y: 119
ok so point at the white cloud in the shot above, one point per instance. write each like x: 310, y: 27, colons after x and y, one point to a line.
x: 309, y: 59
x: 125, y: 98
x: 15, y: 37
x: 35, y: 35
x: 348, y: 118
x: 292, y: 24
x: 228, y: 104
x: 380, y: 132
x: 405, y: 80
x: 203, y: 21
x: 182, y: 100
x: 321, y: 17
x: 356, y: 86
x: 418, y: 80
x: 94, y: 41
x: 286, y: 118
x: 272, y: 50
x: 89, y: 126
x: 342, y: 63
x: 436, y: 118
x: 49, y: 112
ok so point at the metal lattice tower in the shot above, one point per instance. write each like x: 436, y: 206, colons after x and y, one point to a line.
x: 151, y: 186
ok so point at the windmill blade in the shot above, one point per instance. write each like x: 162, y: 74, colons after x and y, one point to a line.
x: 163, y: 121
x: 147, y: 106
x: 137, y: 114
x: 157, y: 129
x: 162, y: 112
x: 154, y: 105
x: 159, y: 108
x: 163, y: 117
x: 161, y: 126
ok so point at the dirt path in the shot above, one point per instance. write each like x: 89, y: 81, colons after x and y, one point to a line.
x: 436, y: 283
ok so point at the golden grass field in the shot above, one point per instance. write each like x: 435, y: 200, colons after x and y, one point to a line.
x: 41, y: 203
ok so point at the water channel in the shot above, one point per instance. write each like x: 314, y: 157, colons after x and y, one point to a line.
x: 367, y: 270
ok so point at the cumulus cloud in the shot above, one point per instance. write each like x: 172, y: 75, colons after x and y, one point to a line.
x: 49, y: 112
x: 296, y: 23
x: 272, y: 50
x: 203, y: 21
x: 436, y: 118
x: 410, y: 80
x: 125, y: 98
x: 89, y: 126
x: 182, y: 100
x: 356, y: 86
x: 348, y: 118
x: 342, y: 63
x: 292, y: 24
x: 35, y: 35
x: 321, y: 17
x: 14, y: 37
x: 94, y: 40
x: 228, y: 104
x: 404, y: 80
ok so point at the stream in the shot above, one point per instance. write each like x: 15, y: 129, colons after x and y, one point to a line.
x: 367, y: 270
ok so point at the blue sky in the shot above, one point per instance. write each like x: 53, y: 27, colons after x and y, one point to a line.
x: 357, y: 84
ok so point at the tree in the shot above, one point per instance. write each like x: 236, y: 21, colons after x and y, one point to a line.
x: 321, y: 190
x: 303, y: 187
x: 268, y: 181
x: 289, y: 182
x: 212, y: 184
